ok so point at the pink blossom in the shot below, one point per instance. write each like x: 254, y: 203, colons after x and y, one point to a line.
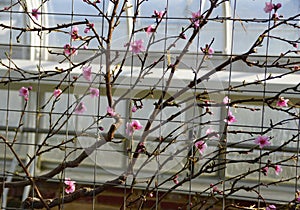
x: 271, y: 207
x: 135, y: 124
x: 201, y: 146
x: 277, y: 6
x: 195, y: 19
x: 158, y: 14
x: 86, y: 30
x: 215, y: 188
x: 94, y: 92
x: 226, y: 100
x: 133, y: 109
x: 80, y: 108
x: 88, y: 27
x: 210, y: 51
x: 230, y: 118
x: 211, y: 132
x: 150, y: 29
x: 265, y: 170
x: 137, y: 46
x: 68, y: 50
x: 196, y: 23
x: 74, y: 33
x: 298, y: 198
x: 269, y: 7
x: 24, y: 92
x: 70, y: 188
x: 57, y: 92
x: 175, y: 181
x: 262, y: 141
x: 141, y: 147
x: 282, y: 102
x: 278, y: 169
x: 295, y: 45
x: 296, y: 68
x: 87, y: 73
x: 196, y: 14
x: 131, y: 127
x: 207, y: 50
x: 110, y: 111
x: 35, y: 13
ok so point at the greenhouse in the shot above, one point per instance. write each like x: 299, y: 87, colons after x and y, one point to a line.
x: 149, y: 104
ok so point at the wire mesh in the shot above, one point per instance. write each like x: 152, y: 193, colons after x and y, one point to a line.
x: 149, y: 104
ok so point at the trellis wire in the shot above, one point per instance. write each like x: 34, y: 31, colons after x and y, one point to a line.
x: 38, y: 130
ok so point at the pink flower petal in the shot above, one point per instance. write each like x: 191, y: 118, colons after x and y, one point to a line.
x: 87, y: 73
x: 226, y: 100
x: 131, y: 127
x: 24, y: 92
x: 68, y: 50
x: 158, y: 14
x: 210, y: 132
x: 195, y: 19
x: 74, y: 33
x: 57, y: 92
x: 134, y: 109
x: 80, y: 108
x: 150, y: 29
x: 282, y: 102
x: 269, y: 7
x: 35, y: 13
x: 137, y: 46
x: 278, y: 169
x: 262, y: 141
x: 230, y: 118
x: 110, y: 111
x: 70, y: 188
x: 94, y: 92
x: 271, y: 207
x: 201, y: 146
x: 265, y: 170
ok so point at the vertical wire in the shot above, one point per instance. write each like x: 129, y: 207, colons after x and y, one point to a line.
x: 263, y: 106
x: 38, y: 92
x: 162, y: 89
x: 229, y: 84
x: 5, y: 190
x: 129, y: 113
x: 32, y: 46
x: 192, y: 165
x: 297, y: 158
x: 98, y: 115
x: 63, y: 174
x: 228, y: 93
x: 128, y: 151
